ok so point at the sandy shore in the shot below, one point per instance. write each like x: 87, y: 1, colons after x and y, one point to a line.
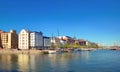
x: 2, y: 51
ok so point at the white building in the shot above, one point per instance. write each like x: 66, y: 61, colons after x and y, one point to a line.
x: 23, y: 39
x: 56, y: 41
x: 30, y: 40
x: 46, y: 41
x: 36, y: 40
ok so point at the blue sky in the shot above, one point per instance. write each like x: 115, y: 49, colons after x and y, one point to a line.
x: 94, y: 20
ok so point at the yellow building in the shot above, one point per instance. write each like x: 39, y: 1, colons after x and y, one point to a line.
x: 9, y: 39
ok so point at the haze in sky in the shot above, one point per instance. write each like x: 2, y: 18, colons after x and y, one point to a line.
x: 94, y: 20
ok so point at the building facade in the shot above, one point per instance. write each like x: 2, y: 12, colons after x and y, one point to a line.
x: 30, y: 40
x: 87, y: 43
x: 0, y: 39
x: 24, y: 39
x: 36, y: 40
x: 46, y: 41
x: 66, y: 39
x: 9, y: 40
x: 82, y: 42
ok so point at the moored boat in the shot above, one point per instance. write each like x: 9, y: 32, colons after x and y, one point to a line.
x: 52, y: 51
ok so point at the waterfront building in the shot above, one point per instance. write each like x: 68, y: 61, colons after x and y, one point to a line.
x: 55, y: 40
x: 30, y: 40
x: 66, y: 39
x: 0, y: 39
x: 46, y: 41
x: 83, y: 42
x: 9, y: 40
x: 36, y: 40
x: 24, y: 39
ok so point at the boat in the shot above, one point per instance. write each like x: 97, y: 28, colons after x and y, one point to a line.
x: 86, y: 49
x: 56, y: 51
x: 52, y: 51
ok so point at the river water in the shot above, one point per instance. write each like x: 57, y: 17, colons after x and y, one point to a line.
x: 82, y: 61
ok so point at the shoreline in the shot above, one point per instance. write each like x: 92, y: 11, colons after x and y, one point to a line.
x: 20, y: 51
x: 15, y: 51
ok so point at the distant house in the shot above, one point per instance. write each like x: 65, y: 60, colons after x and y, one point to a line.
x: 66, y: 39
x: 83, y: 42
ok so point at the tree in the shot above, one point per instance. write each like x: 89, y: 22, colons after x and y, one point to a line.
x: 66, y: 45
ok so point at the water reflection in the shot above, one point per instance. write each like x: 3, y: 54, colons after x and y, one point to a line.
x: 85, y: 55
x: 84, y: 61
x: 23, y: 62
x: 26, y: 62
x: 5, y: 62
x: 8, y: 62
x: 32, y: 62
x: 66, y: 60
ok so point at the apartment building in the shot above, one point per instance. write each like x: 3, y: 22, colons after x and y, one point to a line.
x: 24, y: 39
x: 46, y: 41
x: 9, y: 40
x: 30, y: 40
x: 36, y: 40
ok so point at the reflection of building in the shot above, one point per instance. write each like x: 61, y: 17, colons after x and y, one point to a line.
x: 8, y: 39
x: 24, y: 39
x: 23, y: 62
x: 32, y: 62
x: 6, y: 60
x: 36, y: 40
x: 46, y: 41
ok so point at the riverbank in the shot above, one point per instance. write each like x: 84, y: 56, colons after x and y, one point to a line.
x: 15, y: 51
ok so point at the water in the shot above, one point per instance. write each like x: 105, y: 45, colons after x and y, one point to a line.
x: 83, y: 61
